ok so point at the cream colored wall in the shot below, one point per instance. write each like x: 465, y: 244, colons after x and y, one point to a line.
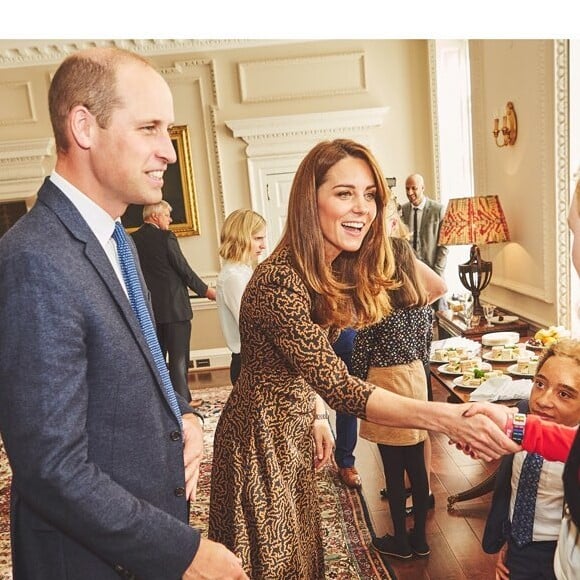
x: 526, y: 270
x: 396, y: 75
x: 206, y: 89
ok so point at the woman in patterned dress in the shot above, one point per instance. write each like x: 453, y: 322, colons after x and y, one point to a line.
x: 329, y: 271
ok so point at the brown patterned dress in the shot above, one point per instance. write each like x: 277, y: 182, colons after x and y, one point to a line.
x: 263, y: 503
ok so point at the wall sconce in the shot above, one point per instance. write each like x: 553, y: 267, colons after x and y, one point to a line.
x: 509, y: 128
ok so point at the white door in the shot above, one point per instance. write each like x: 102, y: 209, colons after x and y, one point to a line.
x: 277, y: 192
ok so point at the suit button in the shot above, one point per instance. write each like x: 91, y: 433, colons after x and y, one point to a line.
x: 175, y: 436
x: 179, y: 491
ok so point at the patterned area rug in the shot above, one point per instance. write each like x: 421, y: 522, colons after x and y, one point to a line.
x: 344, y: 517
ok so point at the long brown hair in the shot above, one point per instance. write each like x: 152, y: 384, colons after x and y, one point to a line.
x: 410, y: 291
x: 350, y: 292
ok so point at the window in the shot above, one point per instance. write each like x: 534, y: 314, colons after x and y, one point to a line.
x: 453, y: 113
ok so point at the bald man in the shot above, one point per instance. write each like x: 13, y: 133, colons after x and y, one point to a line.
x: 427, y: 217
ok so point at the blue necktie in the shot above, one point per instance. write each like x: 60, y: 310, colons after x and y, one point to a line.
x: 137, y: 300
x: 525, y: 504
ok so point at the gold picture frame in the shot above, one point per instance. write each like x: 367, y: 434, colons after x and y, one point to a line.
x: 178, y: 190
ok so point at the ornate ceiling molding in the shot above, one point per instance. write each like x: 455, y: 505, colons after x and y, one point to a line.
x: 22, y: 53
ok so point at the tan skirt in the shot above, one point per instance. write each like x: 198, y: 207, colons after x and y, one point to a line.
x: 407, y: 380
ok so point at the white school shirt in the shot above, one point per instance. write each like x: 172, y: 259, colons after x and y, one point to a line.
x: 230, y: 285
x: 550, y: 499
x: 567, y: 556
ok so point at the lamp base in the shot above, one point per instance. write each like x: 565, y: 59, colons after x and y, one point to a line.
x: 475, y: 275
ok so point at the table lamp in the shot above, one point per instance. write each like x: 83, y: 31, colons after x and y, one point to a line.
x: 474, y: 220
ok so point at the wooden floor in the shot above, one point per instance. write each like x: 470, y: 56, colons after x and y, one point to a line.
x: 454, y: 537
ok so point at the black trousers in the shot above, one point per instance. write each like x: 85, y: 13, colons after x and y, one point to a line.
x: 174, y: 340
x: 397, y: 460
x: 532, y: 562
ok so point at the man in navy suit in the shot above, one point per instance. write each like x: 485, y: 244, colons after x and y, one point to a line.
x: 168, y: 275
x: 102, y: 468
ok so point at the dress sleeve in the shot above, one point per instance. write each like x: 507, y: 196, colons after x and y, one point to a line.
x: 283, y: 305
x: 551, y: 440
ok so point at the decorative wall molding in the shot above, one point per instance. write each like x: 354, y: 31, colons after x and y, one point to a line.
x: 293, y: 78
x: 220, y: 212
x: 562, y: 97
x: 18, y: 103
x: 291, y: 134
x: 22, y: 167
x: 191, y: 68
x: 432, y: 48
x: 21, y: 53
x: 201, y: 72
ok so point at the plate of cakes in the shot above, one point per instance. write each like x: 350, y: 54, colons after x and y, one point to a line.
x: 443, y: 355
x: 525, y: 367
x: 503, y: 353
x: 461, y: 366
x: 475, y: 378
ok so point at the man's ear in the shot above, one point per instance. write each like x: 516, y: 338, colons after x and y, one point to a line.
x: 82, y: 125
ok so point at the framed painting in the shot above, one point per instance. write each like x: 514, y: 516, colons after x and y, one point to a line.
x: 178, y: 190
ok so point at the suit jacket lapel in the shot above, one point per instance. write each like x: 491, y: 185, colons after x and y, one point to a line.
x: 67, y: 213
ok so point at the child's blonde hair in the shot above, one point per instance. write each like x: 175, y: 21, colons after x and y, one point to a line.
x: 566, y: 347
x: 236, y: 235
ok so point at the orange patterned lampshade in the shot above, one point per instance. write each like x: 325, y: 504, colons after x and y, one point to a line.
x: 473, y: 220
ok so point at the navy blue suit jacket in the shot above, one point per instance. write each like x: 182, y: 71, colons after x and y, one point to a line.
x: 96, y: 453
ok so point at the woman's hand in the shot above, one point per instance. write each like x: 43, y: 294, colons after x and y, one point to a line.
x: 499, y: 414
x: 479, y: 430
x: 323, y: 443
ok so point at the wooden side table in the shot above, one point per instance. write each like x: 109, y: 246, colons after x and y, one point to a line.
x: 450, y: 324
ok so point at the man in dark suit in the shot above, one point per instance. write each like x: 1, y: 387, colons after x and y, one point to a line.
x: 428, y: 215
x: 102, y: 466
x: 168, y: 276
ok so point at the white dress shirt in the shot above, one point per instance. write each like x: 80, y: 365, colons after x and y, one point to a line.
x: 98, y: 220
x: 550, y: 499
x: 230, y: 285
x: 420, y: 209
